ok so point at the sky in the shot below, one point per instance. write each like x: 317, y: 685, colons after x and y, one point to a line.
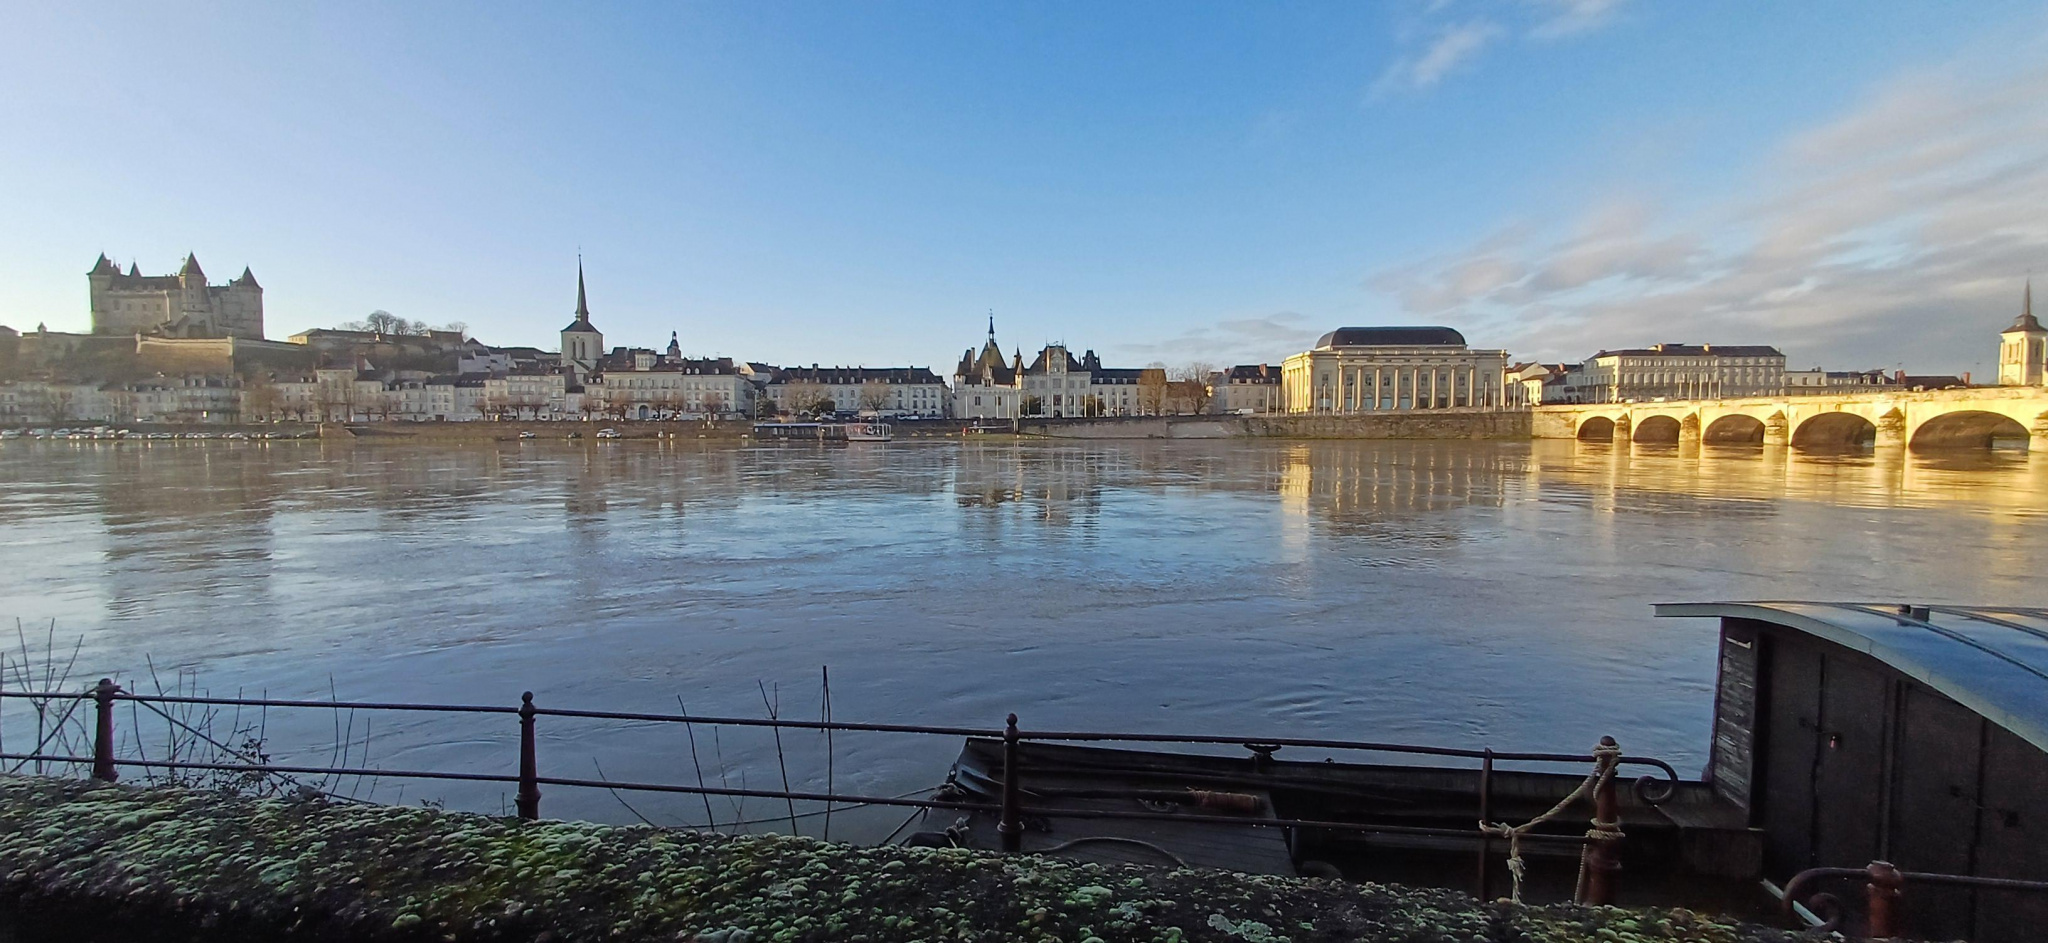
x: 1863, y: 184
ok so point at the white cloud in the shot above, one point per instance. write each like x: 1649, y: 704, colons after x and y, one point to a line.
x: 1268, y: 339
x: 1572, y: 17
x: 1900, y: 231
x: 1453, y: 47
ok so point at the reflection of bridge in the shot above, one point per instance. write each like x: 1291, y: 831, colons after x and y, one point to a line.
x: 1934, y: 419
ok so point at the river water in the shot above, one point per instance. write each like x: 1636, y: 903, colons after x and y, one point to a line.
x: 1457, y: 593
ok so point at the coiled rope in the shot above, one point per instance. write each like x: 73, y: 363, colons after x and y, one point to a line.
x: 1605, y: 757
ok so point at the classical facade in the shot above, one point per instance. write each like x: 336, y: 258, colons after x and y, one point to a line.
x: 1383, y: 369
x: 181, y: 305
x: 1059, y: 385
x: 1683, y: 372
x: 2023, y: 348
x: 668, y: 386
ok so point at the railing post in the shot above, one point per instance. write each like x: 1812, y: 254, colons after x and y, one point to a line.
x: 1485, y: 815
x: 103, y: 730
x: 1603, y: 857
x: 1887, y: 886
x: 1011, y: 828
x: 529, y: 765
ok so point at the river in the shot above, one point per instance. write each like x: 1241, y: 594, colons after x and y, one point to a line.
x: 1456, y: 593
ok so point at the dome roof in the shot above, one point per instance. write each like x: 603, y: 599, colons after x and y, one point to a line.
x: 1391, y: 337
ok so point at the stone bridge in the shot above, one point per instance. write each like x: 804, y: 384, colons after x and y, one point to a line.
x: 1932, y: 419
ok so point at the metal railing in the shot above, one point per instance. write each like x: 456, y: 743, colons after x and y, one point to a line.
x: 1885, y: 892
x: 1010, y: 810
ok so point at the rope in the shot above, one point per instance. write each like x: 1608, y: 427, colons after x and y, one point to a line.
x: 1605, y: 757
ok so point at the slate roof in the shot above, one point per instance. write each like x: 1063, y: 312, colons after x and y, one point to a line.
x: 1391, y: 337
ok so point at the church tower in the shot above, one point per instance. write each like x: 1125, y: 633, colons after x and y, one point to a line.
x: 2023, y: 347
x: 582, y: 342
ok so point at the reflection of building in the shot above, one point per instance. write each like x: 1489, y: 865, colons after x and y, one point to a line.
x: 1683, y: 371
x: 1376, y: 369
x: 181, y: 305
x: 1247, y: 389
x: 2023, y: 348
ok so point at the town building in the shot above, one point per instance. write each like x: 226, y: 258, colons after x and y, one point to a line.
x: 645, y: 385
x: 1681, y: 372
x: 1247, y: 389
x: 1818, y: 381
x: 181, y: 305
x: 1382, y: 369
x: 1535, y: 384
x: 985, y: 385
x: 1059, y: 385
x: 870, y: 391
x: 2023, y: 347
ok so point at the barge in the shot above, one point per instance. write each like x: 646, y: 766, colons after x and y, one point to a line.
x: 1888, y: 753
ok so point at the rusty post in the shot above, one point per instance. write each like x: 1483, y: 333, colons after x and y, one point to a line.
x: 103, y: 731
x: 529, y: 765
x: 1011, y: 828
x: 1603, y: 857
x: 1887, y: 886
x: 1485, y: 815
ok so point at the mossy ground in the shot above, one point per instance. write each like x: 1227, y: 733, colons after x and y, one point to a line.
x: 182, y: 864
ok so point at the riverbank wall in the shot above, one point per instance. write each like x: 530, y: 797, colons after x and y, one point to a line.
x: 1433, y: 424
x: 95, y: 861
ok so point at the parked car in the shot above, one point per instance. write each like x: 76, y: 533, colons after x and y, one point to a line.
x: 607, y: 433
x: 528, y: 434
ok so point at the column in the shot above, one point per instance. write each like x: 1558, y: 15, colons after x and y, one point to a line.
x: 1378, y: 386
x: 1435, y: 393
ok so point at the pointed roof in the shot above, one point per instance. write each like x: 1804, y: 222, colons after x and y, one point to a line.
x: 191, y: 267
x: 104, y: 265
x: 248, y: 279
x: 582, y: 323
x: 2026, y: 322
x: 134, y: 270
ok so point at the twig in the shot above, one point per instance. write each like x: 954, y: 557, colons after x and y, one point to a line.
x: 615, y: 793
x: 779, y: 761
x: 710, y: 821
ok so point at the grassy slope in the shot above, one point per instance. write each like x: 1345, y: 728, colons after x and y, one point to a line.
x: 170, y: 858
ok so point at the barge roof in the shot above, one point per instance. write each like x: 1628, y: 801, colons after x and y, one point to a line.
x: 1990, y: 659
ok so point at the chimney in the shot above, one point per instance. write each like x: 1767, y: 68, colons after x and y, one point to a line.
x: 1966, y: 378
x: 1899, y: 377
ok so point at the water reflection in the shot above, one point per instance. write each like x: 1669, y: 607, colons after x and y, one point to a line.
x: 1453, y: 592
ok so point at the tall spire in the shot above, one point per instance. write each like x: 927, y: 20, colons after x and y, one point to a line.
x: 582, y: 304
x: 991, y: 324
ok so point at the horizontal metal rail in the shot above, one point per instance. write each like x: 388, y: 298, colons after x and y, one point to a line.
x: 1037, y: 811
x: 1885, y: 887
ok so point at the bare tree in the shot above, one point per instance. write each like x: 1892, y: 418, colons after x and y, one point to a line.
x: 384, y: 322
x: 1190, y: 389
x: 1152, y: 391
x: 874, y: 396
x: 260, y: 398
x: 804, y: 398
x: 714, y: 404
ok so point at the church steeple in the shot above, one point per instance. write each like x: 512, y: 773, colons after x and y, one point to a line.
x: 582, y: 300
x: 2026, y: 321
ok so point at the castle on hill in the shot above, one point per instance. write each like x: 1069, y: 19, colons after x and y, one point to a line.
x: 181, y: 305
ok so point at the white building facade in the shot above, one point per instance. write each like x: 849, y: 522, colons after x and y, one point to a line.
x: 1682, y: 372
x: 1393, y: 369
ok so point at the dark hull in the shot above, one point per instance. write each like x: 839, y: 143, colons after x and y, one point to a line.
x: 1689, y: 848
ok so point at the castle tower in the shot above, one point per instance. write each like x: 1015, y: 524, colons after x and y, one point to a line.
x: 2023, y: 347
x: 582, y: 342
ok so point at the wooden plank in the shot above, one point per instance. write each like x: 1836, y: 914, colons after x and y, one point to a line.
x: 1849, y: 780
x: 2012, y: 838
x: 1790, y: 737
x: 1735, y: 712
x: 1934, y: 807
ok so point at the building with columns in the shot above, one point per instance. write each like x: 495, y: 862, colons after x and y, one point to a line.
x: 1392, y: 369
x: 2023, y: 347
x: 181, y: 305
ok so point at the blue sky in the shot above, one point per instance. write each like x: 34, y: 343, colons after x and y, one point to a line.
x: 1861, y: 183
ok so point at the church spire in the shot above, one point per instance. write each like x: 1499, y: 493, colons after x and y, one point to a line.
x: 991, y: 325
x: 582, y: 304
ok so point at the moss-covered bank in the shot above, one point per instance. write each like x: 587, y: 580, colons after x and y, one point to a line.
x: 180, y: 864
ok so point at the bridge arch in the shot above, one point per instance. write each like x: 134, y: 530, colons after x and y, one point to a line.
x: 1968, y: 428
x: 1657, y: 430
x: 1837, y: 430
x: 1734, y: 428
x: 1597, y: 429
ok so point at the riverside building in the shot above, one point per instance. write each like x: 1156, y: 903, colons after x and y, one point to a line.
x: 1392, y: 369
x: 1682, y: 371
x: 2023, y: 348
x: 181, y: 305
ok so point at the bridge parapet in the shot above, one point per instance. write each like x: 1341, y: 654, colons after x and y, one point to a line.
x: 1886, y: 419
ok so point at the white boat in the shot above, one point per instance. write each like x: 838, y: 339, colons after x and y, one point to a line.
x: 868, y: 432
